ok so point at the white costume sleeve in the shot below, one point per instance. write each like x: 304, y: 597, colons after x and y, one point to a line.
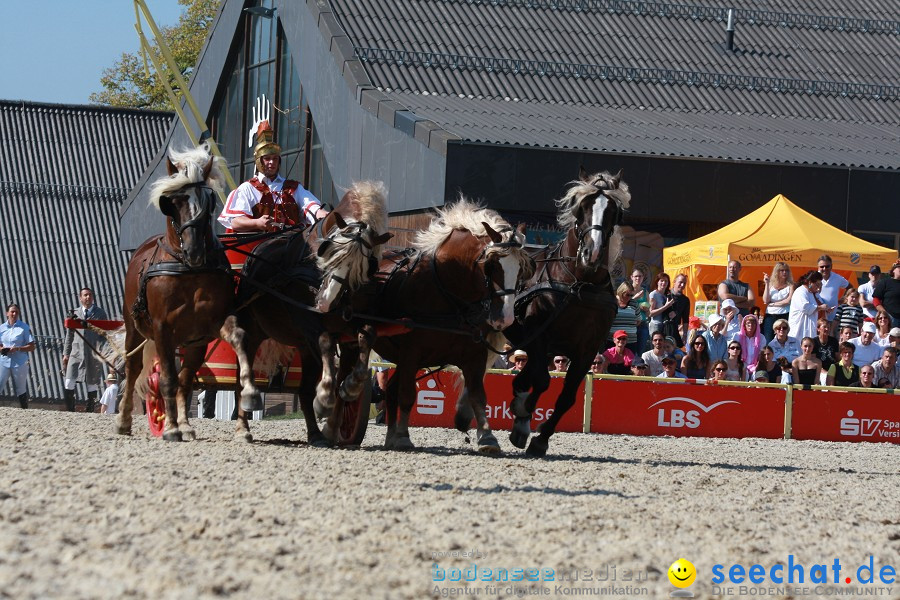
x: 240, y: 203
x: 307, y: 203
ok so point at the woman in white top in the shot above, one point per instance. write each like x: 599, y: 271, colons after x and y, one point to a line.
x: 777, y: 297
x: 661, y: 300
x: 805, y: 306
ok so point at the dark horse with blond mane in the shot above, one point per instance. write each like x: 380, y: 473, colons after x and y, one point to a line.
x: 282, y: 283
x: 179, y: 291
x: 456, y: 289
x: 569, y: 304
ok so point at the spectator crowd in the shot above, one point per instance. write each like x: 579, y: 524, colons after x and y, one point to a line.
x: 819, y: 330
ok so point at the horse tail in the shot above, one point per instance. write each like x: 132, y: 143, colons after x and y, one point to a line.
x: 271, y: 354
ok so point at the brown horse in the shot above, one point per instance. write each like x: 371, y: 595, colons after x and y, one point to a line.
x: 569, y: 304
x: 278, y: 293
x: 457, y: 288
x: 178, y: 291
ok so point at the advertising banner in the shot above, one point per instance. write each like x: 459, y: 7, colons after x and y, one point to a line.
x: 649, y: 408
x: 845, y: 417
x: 436, y: 397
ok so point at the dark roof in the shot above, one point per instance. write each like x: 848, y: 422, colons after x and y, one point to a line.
x: 810, y: 81
x: 64, y: 171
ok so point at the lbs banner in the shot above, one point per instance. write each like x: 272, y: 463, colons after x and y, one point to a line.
x: 846, y: 417
x: 682, y: 409
x: 436, y: 397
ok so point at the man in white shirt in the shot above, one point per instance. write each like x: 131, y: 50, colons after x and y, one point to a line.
x: 268, y: 201
x: 866, y: 289
x: 654, y: 357
x: 110, y: 396
x: 832, y: 284
x: 867, y: 351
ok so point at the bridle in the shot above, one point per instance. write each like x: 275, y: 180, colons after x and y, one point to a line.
x: 207, y: 200
x: 352, y: 233
x: 581, y: 233
x: 495, y: 291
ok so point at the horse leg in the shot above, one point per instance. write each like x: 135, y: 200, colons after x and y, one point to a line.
x: 307, y: 393
x: 248, y: 344
x: 535, y: 377
x: 477, y: 400
x: 406, y: 394
x: 353, y: 375
x: 578, y: 368
x: 232, y: 333
x: 325, y: 400
x: 168, y: 385
x: 133, y: 367
x: 191, y: 361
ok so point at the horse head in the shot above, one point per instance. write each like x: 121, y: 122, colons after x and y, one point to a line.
x: 350, y: 253
x: 188, y: 198
x: 592, y: 210
x: 505, y: 264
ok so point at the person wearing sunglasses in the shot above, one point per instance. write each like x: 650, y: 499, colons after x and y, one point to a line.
x: 639, y: 368
x: 718, y: 371
x: 598, y: 365
x: 784, y: 345
x: 736, y: 370
x: 618, y: 358
x: 696, y: 362
x: 866, y: 377
x: 560, y: 364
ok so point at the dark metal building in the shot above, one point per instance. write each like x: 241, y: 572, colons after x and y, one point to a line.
x: 64, y: 172
x: 504, y: 99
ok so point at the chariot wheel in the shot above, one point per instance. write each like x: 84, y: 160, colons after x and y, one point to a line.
x: 355, y: 418
x: 156, y: 414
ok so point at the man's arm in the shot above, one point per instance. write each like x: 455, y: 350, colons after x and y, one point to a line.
x: 739, y: 301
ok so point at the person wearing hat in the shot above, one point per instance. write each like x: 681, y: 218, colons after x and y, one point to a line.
x: 894, y: 338
x: 668, y: 365
x: 716, y: 342
x: 618, y: 357
x: 110, y: 395
x: 886, y: 296
x: 267, y: 201
x: 867, y: 289
x: 639, y: 368
x: 867, y: 351
x: 519, y: 358
x: 732, y: 319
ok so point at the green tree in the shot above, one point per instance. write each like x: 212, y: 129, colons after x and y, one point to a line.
x: 128, y: 85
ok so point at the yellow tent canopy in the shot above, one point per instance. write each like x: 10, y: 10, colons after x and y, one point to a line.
x: 778, y: 231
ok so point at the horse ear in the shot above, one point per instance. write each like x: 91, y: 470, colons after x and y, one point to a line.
x: 170, y: 166
x: 617, y: 178
x: 495, y: 237
x: 208, y: 168
x: 381, y: 239
x: 583, y: 175
x: 341, y: 223
x: 520, y: 228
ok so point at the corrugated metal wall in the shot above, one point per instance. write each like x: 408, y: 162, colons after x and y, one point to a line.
x: 64, y: 171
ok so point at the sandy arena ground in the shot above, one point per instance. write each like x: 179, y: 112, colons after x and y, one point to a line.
x: 85, y: 513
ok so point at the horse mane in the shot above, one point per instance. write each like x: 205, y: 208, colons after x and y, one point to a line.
x: 462, y: 214
x: 368, y: 197
x: 599, y: 182
x: 191, y: 163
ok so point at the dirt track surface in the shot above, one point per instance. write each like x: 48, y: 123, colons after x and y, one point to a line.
x: 85, y: 513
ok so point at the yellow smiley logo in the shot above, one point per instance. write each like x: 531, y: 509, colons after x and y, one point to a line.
x: 682, y: 573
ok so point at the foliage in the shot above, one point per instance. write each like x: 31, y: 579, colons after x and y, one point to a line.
x: 128, y: 85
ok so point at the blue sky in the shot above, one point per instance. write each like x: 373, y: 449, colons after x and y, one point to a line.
x: 56, y: 50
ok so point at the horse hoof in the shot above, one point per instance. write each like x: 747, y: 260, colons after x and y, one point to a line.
x: 243, y: 436
x: 320, y: 441
x: 188, y: 435
x: 123, y: 427
x: 173, y: 435
x: 537, y: 448
x: 488, y: 444
x: 400, y: 443
x: 328, y: 434
x: 251, y: 403
x: 518, y: 438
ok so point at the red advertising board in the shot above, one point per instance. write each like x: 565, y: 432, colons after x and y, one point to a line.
x: 436, y: 397
x: 845, y: 417
x: 649, y: 408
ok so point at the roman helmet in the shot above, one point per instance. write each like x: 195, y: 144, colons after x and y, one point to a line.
x: 262, y: 130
